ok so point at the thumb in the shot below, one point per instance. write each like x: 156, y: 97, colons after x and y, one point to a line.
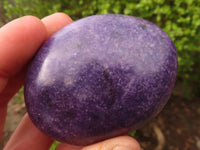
x: 117, y: 143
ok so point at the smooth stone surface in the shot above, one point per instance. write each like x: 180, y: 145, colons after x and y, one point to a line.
x: 99, y: 77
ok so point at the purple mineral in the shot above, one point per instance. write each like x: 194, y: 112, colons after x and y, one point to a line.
x: 100, y: 77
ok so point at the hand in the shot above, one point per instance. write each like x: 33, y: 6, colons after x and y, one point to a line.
x: 19, y: 41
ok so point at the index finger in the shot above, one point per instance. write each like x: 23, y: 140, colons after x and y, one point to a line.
x: 19, y: 40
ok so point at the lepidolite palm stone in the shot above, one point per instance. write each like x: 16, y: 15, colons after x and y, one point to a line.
x: 100, y: 77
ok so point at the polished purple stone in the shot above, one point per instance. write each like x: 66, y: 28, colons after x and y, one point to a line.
x: 100, y: 77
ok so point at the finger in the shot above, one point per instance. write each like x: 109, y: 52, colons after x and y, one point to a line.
x: 27, y: 136
x: 19, y: 41
x: 55, y: 22
x: 117, y: 143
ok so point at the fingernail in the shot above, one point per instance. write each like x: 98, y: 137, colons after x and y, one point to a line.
x: 122, y: 148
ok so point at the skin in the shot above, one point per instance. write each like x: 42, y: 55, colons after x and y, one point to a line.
x: 19, y: 41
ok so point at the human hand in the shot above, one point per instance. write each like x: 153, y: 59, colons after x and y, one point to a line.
x: 19, y: 41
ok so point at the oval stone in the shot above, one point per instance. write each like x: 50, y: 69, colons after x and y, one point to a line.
x: 100, y: 77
